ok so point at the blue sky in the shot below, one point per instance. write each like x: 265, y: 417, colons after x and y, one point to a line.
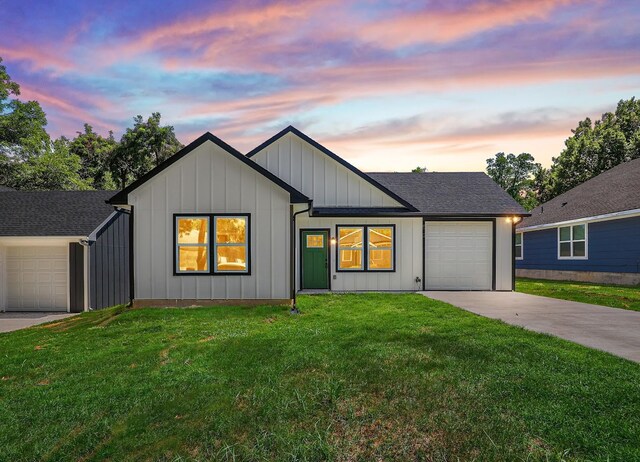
x: 387, y: 85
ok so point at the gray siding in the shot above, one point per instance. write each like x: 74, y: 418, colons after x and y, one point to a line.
x: 109, y: 277
x: 318, y: 176
x: 210, y: 180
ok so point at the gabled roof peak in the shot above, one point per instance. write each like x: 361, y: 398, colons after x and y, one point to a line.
x: 291, y: 129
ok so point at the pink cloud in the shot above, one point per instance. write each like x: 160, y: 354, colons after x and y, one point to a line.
x: 38, y: 57
x: 448, y: 25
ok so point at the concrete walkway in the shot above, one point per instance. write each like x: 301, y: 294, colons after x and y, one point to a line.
x: 15, y: 321
x: 609, y: 329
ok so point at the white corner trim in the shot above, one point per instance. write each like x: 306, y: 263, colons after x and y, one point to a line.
x: 94, y: 233
x: 608, y: 216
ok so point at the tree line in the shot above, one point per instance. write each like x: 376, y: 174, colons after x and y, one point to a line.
x: 31, y: 160
x: 592, y: 148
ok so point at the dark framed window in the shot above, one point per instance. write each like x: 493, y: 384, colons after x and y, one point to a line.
x: 212, y: 244
x: 365, y: 248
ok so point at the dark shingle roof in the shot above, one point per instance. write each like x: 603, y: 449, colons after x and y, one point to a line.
x: 5, y: 188
x: 52, y: 213
x: 459, y: 193
x: 615, y: 190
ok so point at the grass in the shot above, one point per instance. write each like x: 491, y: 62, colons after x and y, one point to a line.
x: 355, y: 377
x: 626, y: 297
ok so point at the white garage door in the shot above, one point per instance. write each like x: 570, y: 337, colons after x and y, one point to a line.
x: 37, y: 278
x: 458, y: 255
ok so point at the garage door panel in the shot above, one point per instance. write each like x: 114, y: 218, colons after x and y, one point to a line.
x: 37, y: 278
x: 458, y: 255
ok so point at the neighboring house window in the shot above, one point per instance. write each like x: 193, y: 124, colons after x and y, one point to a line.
x: 572, y: 241
x: 193, y: 244
x: 519, y: 248
x: 376, y: 253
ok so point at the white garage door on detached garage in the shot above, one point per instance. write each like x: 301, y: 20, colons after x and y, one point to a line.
x: 37, y: 278
x: 459, y: 255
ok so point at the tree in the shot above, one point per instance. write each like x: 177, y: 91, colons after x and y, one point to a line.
x: 22, y: 129
x: 56, y: 169
x: 143, y: 147
x: 515, y: 175
x: 596, y: 147
x: 419, y: 170
x: 94, y: 152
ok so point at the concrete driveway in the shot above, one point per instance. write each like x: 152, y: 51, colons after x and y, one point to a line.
x: 609, y: 329
x: 15, y: 321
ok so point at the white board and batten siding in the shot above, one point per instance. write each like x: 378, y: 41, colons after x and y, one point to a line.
x: 504, y: 254
x: 408, y: 256
x: 318, y: 176
x: 210, y: 180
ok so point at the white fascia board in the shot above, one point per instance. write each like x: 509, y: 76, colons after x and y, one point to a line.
x: 608, y: 216
x: 94, y: 233
x: 39, y: 240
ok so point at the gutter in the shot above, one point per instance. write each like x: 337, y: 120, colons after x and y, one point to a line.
x: 292, y: 240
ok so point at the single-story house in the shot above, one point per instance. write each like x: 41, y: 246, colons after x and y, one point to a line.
x: 211, y: 225
x: 590, y: 233
x: 62, y: 251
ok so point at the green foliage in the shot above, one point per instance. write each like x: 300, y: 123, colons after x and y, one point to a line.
x: 515, y: 174
x: 419, y: 169
x: 7, y: 86
x: 355, y: 377
x: 56, y: 169
x: 142, y: 147
x: 616, y: 296
x: 596, y: 147
x: 94, y: 152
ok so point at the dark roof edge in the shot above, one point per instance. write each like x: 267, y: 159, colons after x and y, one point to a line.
x: 121, y: 198
x: 337, y: 158
x: 408, y: 214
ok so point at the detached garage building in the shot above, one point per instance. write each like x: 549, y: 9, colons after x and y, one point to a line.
x: 62, y: 251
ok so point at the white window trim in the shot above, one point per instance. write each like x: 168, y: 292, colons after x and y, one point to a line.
x: 586, y: 241
x: 244, y: 244
x: 205, y: 244
x: 369, y: 249
x: 342, y: 247
x: 521, y: 257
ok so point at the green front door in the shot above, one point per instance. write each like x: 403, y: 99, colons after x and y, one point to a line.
x: 315, y: 259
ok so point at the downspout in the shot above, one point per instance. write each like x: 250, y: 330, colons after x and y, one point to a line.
x: 294, y: 308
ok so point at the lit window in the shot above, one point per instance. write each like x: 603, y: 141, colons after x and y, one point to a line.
x: 380, y: 247
x: 374, y: 254
x: 350, y: 248
x: 315, y: 241
x: 572, y: 241
x: 192, y: 244
x: 231, y: 244
x: 519, y: 246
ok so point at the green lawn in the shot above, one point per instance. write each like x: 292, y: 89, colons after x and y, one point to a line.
x: 627, y: 297
x: 355, y: 377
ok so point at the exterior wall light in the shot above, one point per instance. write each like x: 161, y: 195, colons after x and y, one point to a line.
x: 333, y: 241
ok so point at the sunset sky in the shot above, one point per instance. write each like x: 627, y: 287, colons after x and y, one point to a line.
x: 386, y: 85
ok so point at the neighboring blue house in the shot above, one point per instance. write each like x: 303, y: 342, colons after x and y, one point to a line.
x: 590, y: 233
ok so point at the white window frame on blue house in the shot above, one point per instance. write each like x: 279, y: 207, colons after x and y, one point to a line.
x: 572, y: 240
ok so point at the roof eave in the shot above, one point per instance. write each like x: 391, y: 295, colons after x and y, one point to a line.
x: 122, y: 197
